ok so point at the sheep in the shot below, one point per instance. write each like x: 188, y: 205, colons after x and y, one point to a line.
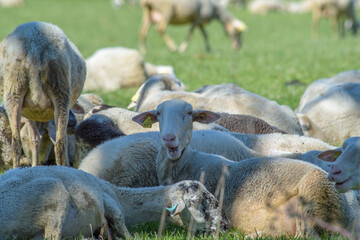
x: 266, y: 6
x: 336, y: 11
x: 41, y: 75
x: 56, y: 202
x: 345, y: 165
x: 279, y: 182
x: 129, y: 161
x: 246, y: 124
x: 112, y: 68
x: 228, y: 98
x: 12, y: 3
x: 5, y: 143
x: 333, y: 115
x: 320, y: 86
x: 278, y: 144
x: 195, y: 12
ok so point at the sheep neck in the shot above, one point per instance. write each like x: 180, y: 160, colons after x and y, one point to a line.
x: 168, y: 170
x: 141, y: 205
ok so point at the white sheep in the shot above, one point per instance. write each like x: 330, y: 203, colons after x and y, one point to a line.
x: 257, y: 193
x: 277, y: 144
x: 337, y: 11
x: 112, y: 68
x: 41, y: 76
x: 266, y: 6
x: 345, y: 168
x: 129, y: 161
x: 320, y: 86
x: 194, y: 12
x: 12, y: 3
x: 57, y: 202
x: 333, y: 115
x: 228, y: 98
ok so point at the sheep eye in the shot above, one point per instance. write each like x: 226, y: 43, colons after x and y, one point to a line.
x: 158, y: 113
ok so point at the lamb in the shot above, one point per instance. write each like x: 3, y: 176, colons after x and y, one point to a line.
x: 59, y: 202
x: 195, y: 12
x: 112, y: 68
x: 336, y: 11
x: 280, y: 182
x: 345, y: 169
x: 246, y: 124
x: 41, y: 76
x: 228, y: 98
x: 333, y: 115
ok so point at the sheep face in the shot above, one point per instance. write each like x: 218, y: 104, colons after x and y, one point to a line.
x: 200, y: 204
x: 175, y: 119
x: 345, y: 170
x: 234, y: 30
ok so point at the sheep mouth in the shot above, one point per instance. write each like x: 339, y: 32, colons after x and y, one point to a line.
x: 341, y: 184
x: 173, y: 151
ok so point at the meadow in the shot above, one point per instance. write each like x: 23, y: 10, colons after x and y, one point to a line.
x: 278, y: 49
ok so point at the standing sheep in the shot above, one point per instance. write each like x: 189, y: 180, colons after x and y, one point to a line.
x: 337, y: 11
x: 257, y: 193
x: 41, y: 75
x: 57, y: 202
x: 195, y: 12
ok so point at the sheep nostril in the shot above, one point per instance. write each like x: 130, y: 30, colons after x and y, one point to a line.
x: 169, y: 137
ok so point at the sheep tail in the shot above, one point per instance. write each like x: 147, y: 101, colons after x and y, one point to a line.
x: 35, y: 84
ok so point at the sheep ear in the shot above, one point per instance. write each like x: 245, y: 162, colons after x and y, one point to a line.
x: 146, y: 119
x: 330, y: 155
x: 203, y: 116
x: 177, y: 208
x: 304, y: 122
x: 77, y: 108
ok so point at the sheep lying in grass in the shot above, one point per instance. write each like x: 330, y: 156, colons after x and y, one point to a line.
x: 129, y: 161
x: 257, y: 193
x: 336, y: 11
x: 246, y: 124
x: 345, y: 169
x: 112, y: 68
x: 227, y: 98
x: 58, y: 202
x: 195, y: 12
x: 41, y: 76
x: 333, y: 115
x: 266, y: 6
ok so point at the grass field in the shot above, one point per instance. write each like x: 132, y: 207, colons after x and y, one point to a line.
x: 278, y: 48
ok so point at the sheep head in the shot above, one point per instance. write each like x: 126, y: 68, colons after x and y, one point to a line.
x: 175, y: 119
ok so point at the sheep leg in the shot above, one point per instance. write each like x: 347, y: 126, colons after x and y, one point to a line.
x: 145, y: 26
x: 13, y: 106
x: 334, y: 26
x: 35, y: 140
x: 315, y: 23
x: 206, y: 39
x: 161, y: 27
x: 61, y: 121
x: 184, y: 44
x: 116, y: 221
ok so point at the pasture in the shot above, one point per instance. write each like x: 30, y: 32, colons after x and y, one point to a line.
x: 278, y: 50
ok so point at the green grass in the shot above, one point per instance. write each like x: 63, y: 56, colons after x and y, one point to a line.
x: 278, y: 48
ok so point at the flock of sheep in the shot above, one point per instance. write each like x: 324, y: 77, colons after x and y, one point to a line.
x: 221, y: 156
